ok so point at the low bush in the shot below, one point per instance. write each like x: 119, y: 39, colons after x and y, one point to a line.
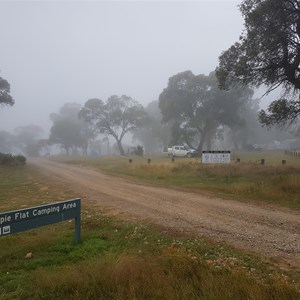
x: 9, y: 159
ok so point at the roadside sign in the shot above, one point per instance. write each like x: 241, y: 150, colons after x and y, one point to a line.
x: 33, y: 217
x: 206, y: 157
x: 215, y: 157
x: 225, y: 157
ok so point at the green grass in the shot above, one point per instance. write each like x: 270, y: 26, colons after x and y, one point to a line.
x: 123, y: 260
x: 20, y: 185
x: 272, y: 183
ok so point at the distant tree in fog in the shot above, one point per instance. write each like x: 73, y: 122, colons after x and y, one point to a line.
x: 248, y: 130
x: 5, y: 97
x: 68, y: 131
x: 26, y: 139
x: 197, y: 107
x: 7, y: 142
x: 154, y: 135
x: 115, y: 117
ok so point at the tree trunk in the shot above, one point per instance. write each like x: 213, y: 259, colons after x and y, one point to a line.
x: 67, y: 150
x: 85, y: 148
x: 203, y: 138
x: 122, y: 152
x: 234, y: 139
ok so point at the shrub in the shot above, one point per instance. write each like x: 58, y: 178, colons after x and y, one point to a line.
x: 139, y: 150
x: 9, y: 159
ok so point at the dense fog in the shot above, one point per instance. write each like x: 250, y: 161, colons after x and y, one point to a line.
x: 61, y: 54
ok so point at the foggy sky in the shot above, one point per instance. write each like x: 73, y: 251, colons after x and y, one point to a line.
x: 56, y: 52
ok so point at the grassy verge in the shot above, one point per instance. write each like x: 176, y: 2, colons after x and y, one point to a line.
x: 123, y: 260
x: 272, y: 183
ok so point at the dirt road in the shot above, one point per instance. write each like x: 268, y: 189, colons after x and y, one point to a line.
x: 270, y: 231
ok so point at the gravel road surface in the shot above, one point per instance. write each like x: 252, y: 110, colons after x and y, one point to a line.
x: 270, y: 231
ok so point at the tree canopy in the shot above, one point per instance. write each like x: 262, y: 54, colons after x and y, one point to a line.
x: 27, y: 139
x: 115, y: 117
x: 5, y: 97
x: 268, y: 53
x: 196, y: 106
x: 154, y: 135
x: 68, y: 131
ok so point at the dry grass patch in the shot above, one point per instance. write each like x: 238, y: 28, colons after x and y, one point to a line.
x: 171, y: 275
x: 245, y: 181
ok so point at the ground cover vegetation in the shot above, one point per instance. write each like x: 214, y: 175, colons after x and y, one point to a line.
x: 122, y: 260
x: 247, y: 180
x: 9, y: 159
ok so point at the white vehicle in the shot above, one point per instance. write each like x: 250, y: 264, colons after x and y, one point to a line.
x: 181, y: 151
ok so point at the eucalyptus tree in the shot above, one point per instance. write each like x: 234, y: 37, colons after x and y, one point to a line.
x: 154, y: 135
x: 68, y: 130
x: 116, y: 117
x: 268, y: 53
x: 27, y: 138
x: 196, y: 106
x: 5, y: 97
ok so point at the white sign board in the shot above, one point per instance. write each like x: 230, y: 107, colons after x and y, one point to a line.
x: 215, y: 157
x: 206, y: 157
x: 225, y: 157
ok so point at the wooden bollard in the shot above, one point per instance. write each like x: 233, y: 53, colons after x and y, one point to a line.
x: 284, y: 162
x: 262, y: 161
x: 149, y: 160
x: 130, y: 160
